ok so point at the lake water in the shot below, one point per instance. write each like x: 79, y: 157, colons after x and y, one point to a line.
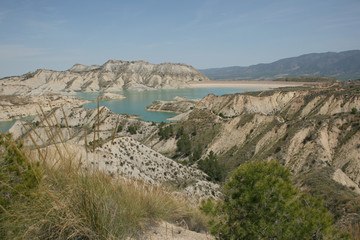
x: 6, y: 125
x: 136, y: 101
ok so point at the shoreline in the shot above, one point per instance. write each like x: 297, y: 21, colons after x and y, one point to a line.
x: 246, y: 84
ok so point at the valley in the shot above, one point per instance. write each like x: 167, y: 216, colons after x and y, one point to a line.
x: 312, y: 129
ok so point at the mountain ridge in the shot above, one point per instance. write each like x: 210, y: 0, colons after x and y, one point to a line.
x: 342, y: 65
x: 114, y: 75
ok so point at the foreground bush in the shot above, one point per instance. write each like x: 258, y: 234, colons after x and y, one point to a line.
x: 261, y: 203
x: 64, y: 201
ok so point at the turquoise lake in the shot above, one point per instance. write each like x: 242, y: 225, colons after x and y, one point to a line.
x: 136, y: 101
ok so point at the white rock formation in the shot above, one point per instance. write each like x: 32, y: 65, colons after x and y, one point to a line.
x: 114, y: 75
x: 111, y: 96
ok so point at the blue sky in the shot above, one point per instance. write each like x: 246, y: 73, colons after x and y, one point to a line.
x: 56, y: 34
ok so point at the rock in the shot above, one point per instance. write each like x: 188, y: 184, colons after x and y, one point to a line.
x: 16, y: 107
x: 178, y: 105
x: 111, y: 96
x: 340, y: 177
x: 166, y: 230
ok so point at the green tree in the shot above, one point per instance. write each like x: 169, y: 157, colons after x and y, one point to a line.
x: 211, y: 166
x: 184, y: 145
x: 166, y: 133
x: 261, y: 203
x: 180, y: 132
x: 196, y: 155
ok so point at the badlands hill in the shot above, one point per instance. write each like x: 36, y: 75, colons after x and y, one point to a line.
x: 114, y: 147
x: 314, y: 132
x: 114, y: 75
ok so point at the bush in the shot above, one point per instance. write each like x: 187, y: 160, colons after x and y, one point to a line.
x: 354, y: 111
x: 261, y: 203
x: 119, y: 129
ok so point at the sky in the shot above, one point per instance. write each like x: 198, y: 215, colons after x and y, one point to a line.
x: 54, y: 34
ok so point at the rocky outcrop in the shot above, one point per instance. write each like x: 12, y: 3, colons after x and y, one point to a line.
x: 15, y: 107
x: 80, y: 122
x: 321, y: 102
x: 178, y: 105
x: 127, y: 157
x: 114, y: 75
x: 301, y: 128
x: 111, y: 96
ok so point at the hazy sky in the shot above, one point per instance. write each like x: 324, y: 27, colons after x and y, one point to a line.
x: 55, y: 34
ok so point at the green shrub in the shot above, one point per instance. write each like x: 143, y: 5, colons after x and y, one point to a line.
x: 132, y: 129
x: 261, y: 203
x: 354, y: 111
x: 17, y: 175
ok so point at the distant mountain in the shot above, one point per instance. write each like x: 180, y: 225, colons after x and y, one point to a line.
x: 114, y: 75
x: 342, y: 65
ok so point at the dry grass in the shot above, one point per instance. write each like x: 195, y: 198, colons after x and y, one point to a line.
x: 73, y: 202
x: 70, y: 203
x: 354, y: 230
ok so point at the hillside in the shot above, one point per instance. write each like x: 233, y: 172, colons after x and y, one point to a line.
x: 343, y: 66
x: 313, y: 132
x: 114, y: 75
x: 114, y: 147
